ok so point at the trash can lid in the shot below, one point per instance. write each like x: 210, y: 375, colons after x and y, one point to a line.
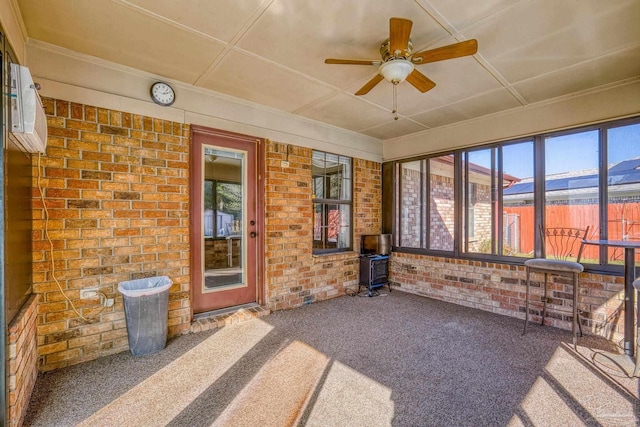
x: 145, y: 286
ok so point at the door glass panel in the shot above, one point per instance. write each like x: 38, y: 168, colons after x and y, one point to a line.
x: 223, y: 231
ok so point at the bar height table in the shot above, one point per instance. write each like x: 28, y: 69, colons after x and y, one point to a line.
x: 629, y: 295
x: 629, y: 305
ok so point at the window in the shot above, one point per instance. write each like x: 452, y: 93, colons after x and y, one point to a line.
x: 332, y: 202
x: 488, y: 202
x: 410, y: 204
x: 623, y: 187
x: 518, y: 219
x: 480, y: 197
x: 498, y: 200
x: 441, y: 192
x: 571, y: 183
x: 426, y: 214
x: 222, y: 209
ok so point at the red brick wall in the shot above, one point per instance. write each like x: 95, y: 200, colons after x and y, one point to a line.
x: 116, y: 188
x: 500, y: 288
x: 22, y: 360
x: 294, y: 276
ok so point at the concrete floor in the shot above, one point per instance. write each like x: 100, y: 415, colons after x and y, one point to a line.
x: 393, y: 360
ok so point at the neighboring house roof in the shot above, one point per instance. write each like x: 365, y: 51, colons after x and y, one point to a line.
x: 473, y: 167
x: 622, y: 173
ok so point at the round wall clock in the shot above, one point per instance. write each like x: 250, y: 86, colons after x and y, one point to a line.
x: 162, y: 94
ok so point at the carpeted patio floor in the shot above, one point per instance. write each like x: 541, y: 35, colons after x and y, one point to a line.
x: 393, y: 360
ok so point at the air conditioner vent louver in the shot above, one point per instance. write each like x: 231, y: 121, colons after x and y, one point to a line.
x: 28, y: 120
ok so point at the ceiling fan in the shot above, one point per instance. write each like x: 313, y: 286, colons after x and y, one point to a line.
x: 398, y: 60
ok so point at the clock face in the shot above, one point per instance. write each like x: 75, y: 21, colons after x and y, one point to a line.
x: 162, y: 94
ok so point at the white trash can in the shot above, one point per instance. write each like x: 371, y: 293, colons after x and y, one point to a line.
x: 146, y: 309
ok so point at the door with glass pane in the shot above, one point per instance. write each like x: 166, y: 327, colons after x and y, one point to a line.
x: 225, y: 222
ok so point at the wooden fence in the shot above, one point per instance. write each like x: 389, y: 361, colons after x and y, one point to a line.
x: 624, y: 224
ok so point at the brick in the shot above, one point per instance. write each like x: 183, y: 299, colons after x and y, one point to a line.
x: 98, y: 176
x: 124, y: 195
x: 83, y: 204
x: 61, y: 172
x: 113, y: 130
x: 52, y: 348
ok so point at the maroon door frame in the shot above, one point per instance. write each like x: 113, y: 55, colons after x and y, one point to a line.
x: 200, y: 136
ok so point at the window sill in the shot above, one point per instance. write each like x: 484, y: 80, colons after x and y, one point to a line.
x: 330, y: 256
x: 609, y: 270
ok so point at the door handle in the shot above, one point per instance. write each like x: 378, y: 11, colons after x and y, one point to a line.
x: 253, y: 234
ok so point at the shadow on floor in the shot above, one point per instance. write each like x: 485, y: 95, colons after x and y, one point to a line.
x: 393, y: 360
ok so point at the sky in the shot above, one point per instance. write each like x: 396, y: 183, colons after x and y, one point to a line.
x: 566, y: 153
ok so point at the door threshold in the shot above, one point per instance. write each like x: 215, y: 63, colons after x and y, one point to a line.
x: 227, y: 316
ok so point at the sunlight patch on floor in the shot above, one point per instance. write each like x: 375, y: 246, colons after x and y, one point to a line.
x: 347, y: 394
x: 278, y: 394
x: 547, y: 401
x: 162, y: 396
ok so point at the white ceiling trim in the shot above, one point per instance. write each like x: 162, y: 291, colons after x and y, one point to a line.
x: 515, y: 37
x: 629, y: 47
x: 280, y: 136
x: 458, y: 35
x: 496, y: 74
x: 166, y: 20
x: 235, y: 114
x: 453, y: 104
x: 15, y: 30
x: 15, y: 11
x: 503, y: 11
x: 436, y: 16
x: 235, y: 40
x: 284, y: 68
x: 546, y: 102
x: 622, y: 100
x: 401, y: 117
x: 230, y: 46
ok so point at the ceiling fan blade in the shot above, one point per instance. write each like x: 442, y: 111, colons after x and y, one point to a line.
x: 352, y: 61
x: 370, y: 85
x: 399, y: 32
x: 420, y: 81
x: 456, y: 50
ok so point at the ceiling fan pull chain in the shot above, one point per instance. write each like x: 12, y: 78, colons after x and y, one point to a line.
x: 395, y: 102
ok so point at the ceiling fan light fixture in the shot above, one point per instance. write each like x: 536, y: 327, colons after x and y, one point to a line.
x: 396, y: 70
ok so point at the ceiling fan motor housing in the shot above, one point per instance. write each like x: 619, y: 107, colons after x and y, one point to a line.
x: 387, y: 55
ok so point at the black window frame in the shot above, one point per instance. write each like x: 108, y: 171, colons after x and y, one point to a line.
x: 392, y: 187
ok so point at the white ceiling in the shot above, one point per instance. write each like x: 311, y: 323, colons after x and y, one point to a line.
x: 272, y: 52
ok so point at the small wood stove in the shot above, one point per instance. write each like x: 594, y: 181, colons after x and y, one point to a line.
x: 374, y: 272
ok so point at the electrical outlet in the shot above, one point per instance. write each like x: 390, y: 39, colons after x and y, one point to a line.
x: 89, y: 293
x: 284, y: 164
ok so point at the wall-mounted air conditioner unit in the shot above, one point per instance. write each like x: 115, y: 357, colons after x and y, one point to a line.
x: 28, y: 121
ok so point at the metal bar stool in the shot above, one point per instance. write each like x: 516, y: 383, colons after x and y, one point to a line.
x: 562, y: 244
